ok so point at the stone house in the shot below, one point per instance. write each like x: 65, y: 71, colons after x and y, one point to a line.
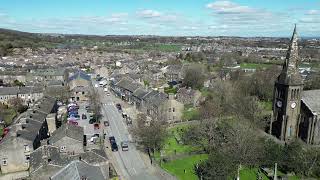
x: 10, y: 76
x: 172, y: 73
x: 47, y: 162
x: 25, y: 137
x: 79, y: 79
x: 7, y: 93
x: 81, y: 93
x: 69, y: 138
x: 80, y: 86
x: 188, y: 96
x: 174, y: 109
x: 29, y: 94
x: 48, y: 74
x: 125, y: 88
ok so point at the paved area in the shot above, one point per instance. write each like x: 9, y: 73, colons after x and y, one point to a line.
x: 130, y: 163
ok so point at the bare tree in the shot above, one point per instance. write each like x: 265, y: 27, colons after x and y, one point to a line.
x: 151, y: 134
x: 95, y: 104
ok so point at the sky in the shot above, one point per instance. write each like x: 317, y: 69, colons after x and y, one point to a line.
x: 246, y: 18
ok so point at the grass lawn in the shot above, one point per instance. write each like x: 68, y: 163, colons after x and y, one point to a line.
x: 8, y: 115
x: 190, y: 114
x: 178, y: 166
x: 249, y: 174
x: 253, y: 65
x: 267, y: 105
x: 1, y: 131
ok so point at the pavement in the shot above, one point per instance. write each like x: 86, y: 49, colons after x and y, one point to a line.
x: 129, y: 164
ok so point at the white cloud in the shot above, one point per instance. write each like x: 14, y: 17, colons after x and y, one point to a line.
x: 148, y: 13
x: 225, y: 7
x: 313, y: 12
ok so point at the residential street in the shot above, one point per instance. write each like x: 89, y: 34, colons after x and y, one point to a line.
x: 129, y: 162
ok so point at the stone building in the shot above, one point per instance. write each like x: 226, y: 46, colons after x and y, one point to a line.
x: 80, y: 86
x: 295, y: 112
x: 26, y: 136
x: 69, y: 138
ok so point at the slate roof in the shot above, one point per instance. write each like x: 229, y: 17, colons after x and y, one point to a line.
x: 140, y: 92
x: 67, y: 130
x: 78, y: 170
x: 155, y: 98
x: 34, y: 119
x: 311, y: 99
x: 79, y: 75
x: 9, y: 90
x: 128, y: 84
x: 46, y: 105
x: 30, y: 89
x: 39, y: 157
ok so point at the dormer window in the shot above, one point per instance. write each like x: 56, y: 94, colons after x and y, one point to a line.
x: 26, y: 148
x: 62, y: 148
x: 4, y: 161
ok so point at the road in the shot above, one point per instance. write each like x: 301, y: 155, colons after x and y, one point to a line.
x: 130, y: 163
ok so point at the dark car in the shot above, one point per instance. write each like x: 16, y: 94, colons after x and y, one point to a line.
x: 83, y: 116
x: 114, y: 146
x: 119, y: 107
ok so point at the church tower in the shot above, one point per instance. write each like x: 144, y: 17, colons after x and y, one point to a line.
x: 287, y: 95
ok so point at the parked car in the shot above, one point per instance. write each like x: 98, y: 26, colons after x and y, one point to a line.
x: 106, y: 123
x: 83, y: 116
x: 73, y: 123
x: 124, y: 115
x: 119, y: 107
x: 114, y: 146
x: 124, y: 146
x: 108, y: 94
x: 96, y: 126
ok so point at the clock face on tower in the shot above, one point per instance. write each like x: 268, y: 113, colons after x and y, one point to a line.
x: 293, y: 105
x: 279, y: 104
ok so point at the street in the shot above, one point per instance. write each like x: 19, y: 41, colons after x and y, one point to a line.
x: 129, y: 162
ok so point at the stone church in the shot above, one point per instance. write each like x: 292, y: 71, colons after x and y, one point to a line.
x: 295, y: 112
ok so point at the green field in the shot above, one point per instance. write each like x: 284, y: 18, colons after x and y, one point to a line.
x: 178, y: 166
x: 253, y: 65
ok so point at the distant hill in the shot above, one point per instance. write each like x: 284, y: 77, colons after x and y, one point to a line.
x: 16, y: 39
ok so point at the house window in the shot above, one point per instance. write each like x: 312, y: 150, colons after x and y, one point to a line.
x: 4, y: 162
x: 173, y: 109
x: 27, y: 158
x: 26, y: 148
x: 62, y: 148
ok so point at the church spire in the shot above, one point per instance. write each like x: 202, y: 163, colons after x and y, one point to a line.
x: 292, y: 58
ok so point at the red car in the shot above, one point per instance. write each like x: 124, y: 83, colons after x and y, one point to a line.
x: 73, y: 122
x: 96, y: 126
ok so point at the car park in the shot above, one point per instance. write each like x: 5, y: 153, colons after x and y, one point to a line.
x: 124, y: 146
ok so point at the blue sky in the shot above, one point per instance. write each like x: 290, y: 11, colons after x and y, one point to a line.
x: 163, y: 17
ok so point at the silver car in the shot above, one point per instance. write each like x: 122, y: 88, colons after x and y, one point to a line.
x: 124, y: 146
